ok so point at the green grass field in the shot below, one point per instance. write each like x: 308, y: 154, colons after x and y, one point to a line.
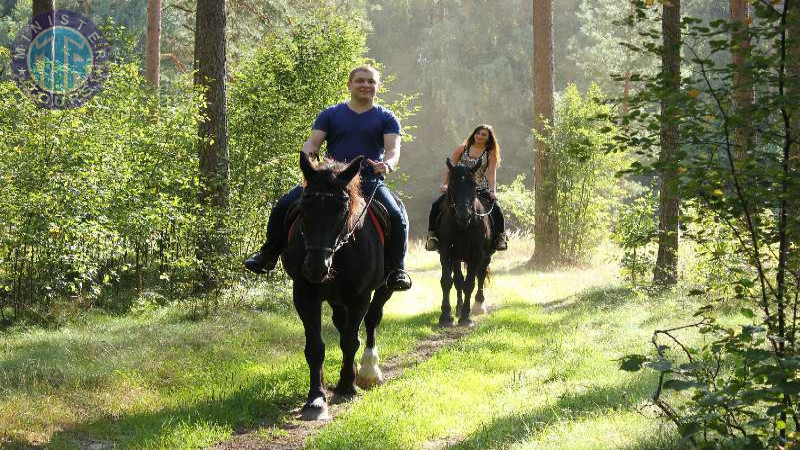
x: 539, y: 372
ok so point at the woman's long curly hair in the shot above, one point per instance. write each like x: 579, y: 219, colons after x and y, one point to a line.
x: 492, y: 146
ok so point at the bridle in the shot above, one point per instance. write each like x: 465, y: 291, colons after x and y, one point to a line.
x: 471, y: 207
x: 342, y: 238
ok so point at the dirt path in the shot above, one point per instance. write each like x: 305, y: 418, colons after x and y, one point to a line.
x: 293, y: 433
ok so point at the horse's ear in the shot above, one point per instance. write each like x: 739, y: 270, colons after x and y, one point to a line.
x: 449, y: 164
x: 306, y: 167
x: 347, y: 174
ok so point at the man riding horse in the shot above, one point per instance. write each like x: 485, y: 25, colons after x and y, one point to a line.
x: 353, y: 128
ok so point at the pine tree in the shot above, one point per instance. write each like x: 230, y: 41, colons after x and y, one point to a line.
x: 545, y: 171
x: 210, y: 67
x: 666, y: 270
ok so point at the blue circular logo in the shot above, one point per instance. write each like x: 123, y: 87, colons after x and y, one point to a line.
x: 60, y: 59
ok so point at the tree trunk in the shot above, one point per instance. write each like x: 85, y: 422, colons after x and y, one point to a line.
x: 86, y: 7
x: 42, y: 6
x: 793, y: 92
x: 666, y: 270
x: 153, y: 56
x: 743, y: 92
x: 214, y: 192
x: 545, y: 170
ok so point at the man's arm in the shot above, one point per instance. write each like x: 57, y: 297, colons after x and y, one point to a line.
x: 391, y: 155
x: 312, y: 145
x: 391, y: 145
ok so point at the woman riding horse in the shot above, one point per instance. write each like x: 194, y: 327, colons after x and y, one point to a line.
x: 480, y: 152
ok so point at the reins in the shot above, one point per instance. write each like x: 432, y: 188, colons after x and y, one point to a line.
x: 341, y: 240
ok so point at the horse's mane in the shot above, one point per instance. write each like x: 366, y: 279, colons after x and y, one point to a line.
x: 329, y: 169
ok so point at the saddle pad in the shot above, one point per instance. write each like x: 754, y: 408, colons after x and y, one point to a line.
x: 377, y: 214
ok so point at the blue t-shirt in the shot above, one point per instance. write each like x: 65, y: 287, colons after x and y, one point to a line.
x: 350, y: 134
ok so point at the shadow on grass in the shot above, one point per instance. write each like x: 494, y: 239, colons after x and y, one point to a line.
x: 516, y: 427
x: 238, y: 404
x: 572, y: 406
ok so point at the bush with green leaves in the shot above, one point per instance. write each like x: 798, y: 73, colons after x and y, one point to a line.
x: 101, y: 200
x: 589, y: 194
x: 95, y: 196
x: 635, y: 231
x: 739, y: 386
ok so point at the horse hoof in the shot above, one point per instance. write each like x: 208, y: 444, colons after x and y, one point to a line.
x: 369, y: 375
x: 466, y: 322
x: 445, y: 321
x: 368, y: 382
x: 316, y: 410
x: 478, y: 309
x: 346, y: 390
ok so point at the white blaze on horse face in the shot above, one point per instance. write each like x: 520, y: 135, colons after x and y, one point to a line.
x: 370, y: 374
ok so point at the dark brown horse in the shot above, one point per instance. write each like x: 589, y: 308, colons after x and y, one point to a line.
x: 335, y: 255
x: 465, y: 235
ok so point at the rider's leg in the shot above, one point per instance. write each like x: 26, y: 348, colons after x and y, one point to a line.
x: 266, y: 258
x: 398, y: 278
x: 501, y: 241
x: 432, y: 243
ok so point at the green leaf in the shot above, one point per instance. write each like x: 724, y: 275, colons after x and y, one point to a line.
x: 682, y: 385
x: 632, y: 363
x: 661, y: 365
x: 688, y: 429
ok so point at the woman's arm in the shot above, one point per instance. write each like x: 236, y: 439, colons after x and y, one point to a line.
x: 453, y: 159
x: 491, y: 175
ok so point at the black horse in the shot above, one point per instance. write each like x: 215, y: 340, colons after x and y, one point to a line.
x: 465, y: 234
x: 335, y: 255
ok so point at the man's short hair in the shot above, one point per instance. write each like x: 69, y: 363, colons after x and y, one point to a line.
x: 364, y: 68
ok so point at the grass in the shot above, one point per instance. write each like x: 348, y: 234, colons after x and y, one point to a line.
x: 537, y: 373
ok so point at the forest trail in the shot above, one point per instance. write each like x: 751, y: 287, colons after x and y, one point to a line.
x: 508, y: 273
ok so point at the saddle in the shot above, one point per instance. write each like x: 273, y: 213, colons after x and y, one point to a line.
x: 487, y: 205
x: 376, y: 212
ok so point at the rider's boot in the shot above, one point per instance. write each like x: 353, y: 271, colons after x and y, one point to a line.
x: 263, y: 260
x: 502, y: 242
x: 432, y: 243
x: 398, y: 280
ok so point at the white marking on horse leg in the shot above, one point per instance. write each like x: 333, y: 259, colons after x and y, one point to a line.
x: 370, y: 373
x: 478, y: 309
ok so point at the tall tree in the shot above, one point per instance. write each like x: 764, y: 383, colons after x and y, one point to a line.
x: 743, y: 91
x: 86, y: 7
x: 214, y: 194
x: 545, y: 170
x: 666, y: 270
x: 793, y: 91
x: 42, y: 6
x: 153, y: 49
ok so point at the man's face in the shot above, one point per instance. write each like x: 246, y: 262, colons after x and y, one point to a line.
x: 363, y: 86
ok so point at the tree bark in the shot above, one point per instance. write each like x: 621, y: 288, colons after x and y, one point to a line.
x: 793, y: 92
x: 42, y: 6
x: 666, y: 270
x: 545, y: 171
x: 743, y: 92
x: 210, y: 68
x: 86, y: 7
x: 153, y: 55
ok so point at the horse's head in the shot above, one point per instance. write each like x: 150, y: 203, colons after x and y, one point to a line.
x: 461, y: 192
x: 331, y: 195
